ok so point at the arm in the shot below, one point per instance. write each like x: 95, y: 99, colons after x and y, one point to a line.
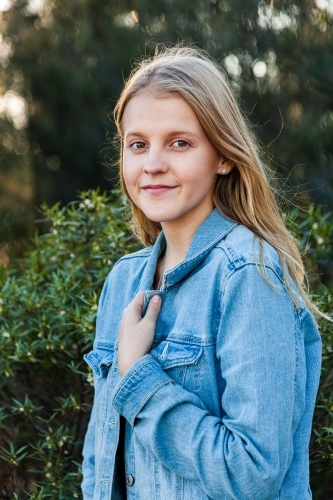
x: 246, y: 453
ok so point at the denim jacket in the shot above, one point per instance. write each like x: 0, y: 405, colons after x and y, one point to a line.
x: 221, y: 407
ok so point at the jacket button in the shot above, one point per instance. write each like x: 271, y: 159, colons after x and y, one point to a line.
x: 129, y: 480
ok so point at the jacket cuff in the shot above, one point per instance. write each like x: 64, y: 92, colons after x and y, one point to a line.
x: 137, y: 386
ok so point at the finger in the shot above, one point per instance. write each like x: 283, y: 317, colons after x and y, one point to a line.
x: 153, y: 308
x: 137, y: 303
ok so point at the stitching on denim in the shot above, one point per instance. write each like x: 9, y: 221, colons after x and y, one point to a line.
x: 100, y: 344
x: 184, y: 370
x: 233, y: 271
x: 231, y: 253
x: 183, y: 339
x: 217, y: 316
x: 237, y: 261
x: 297, y: 354
x: 182, y: 361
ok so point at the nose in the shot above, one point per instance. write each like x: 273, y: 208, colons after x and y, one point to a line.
x: 154, y: 164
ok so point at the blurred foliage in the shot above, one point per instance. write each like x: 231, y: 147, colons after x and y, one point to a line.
x: 314, y: 231
x: 47, y: 317
x: 62, y: 64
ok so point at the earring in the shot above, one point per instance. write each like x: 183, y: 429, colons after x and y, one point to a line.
x: 224, y: 171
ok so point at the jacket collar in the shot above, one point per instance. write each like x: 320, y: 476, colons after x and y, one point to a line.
x: 209, y: 233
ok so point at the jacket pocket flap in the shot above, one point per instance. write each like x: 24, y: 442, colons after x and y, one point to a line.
x: 100, y: 360
x: 170, y: 354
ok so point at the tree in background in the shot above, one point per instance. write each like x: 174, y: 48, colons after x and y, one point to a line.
x: 62, y: 64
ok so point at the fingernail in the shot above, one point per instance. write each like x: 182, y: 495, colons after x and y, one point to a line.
x: 156, y: 298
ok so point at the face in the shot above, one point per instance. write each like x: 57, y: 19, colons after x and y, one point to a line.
x: 169, y: 165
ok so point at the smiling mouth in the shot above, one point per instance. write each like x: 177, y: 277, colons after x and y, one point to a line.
x: 157, y: 189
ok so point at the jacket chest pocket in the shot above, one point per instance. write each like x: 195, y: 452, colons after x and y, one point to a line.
x: 100, y: 359
x: 178, y: 360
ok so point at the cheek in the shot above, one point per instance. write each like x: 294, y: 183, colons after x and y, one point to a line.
x: 130, y: 175
x: 130, y: 184
x: 202, y: 177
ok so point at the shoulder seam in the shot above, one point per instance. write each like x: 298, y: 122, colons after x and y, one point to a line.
x: 238, y: 260
x: 246, y: 264
x: 235, y: 260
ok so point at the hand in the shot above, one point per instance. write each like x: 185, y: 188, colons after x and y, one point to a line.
x: 136, y: 334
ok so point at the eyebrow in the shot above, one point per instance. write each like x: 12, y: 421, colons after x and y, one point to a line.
x: 173, y: 132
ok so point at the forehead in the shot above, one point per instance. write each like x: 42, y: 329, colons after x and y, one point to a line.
x: 147, y: 111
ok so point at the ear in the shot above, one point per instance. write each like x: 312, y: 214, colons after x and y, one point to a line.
x: 225, y: 166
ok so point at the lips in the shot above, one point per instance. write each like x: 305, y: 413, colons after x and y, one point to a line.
x: 157, y: 188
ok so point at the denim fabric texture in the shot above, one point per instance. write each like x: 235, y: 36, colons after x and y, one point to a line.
x: 221, y: 407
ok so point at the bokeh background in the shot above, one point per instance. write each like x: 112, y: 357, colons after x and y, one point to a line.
x: 62, y: 67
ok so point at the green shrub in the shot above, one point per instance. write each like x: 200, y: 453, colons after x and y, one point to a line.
x: 47, y: 315
x: 48, y: 311
x: 315, y: 233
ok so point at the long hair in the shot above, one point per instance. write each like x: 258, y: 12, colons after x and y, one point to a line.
x: 245, y: 195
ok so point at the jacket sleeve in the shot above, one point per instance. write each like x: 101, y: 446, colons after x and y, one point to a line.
x: 246, y: 453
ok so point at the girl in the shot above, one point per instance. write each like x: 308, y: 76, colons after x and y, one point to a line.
x: 206, y: 359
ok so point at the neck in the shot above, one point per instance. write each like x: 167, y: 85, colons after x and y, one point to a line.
x: 179, y: 234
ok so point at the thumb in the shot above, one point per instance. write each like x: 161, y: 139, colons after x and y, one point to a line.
x: 153, y: 308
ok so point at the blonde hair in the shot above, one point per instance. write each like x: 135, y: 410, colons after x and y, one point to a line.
x: 245, y: 194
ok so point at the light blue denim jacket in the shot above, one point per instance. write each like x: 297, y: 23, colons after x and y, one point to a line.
x: 222, y: 405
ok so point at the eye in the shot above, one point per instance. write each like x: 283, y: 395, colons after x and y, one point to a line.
x: 180, y: 143
x: 137, y: 145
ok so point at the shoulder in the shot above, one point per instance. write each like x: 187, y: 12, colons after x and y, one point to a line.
x: 129, y: 264
x: 133, y: 258
x: 126, y: 272
x: 242, y: 248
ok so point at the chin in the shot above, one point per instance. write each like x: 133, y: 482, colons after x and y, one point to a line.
x: 155, y: 214
x: 159, y: 219
x: 164, y: 219
x: 160, y: 216
x: 164, y: 214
